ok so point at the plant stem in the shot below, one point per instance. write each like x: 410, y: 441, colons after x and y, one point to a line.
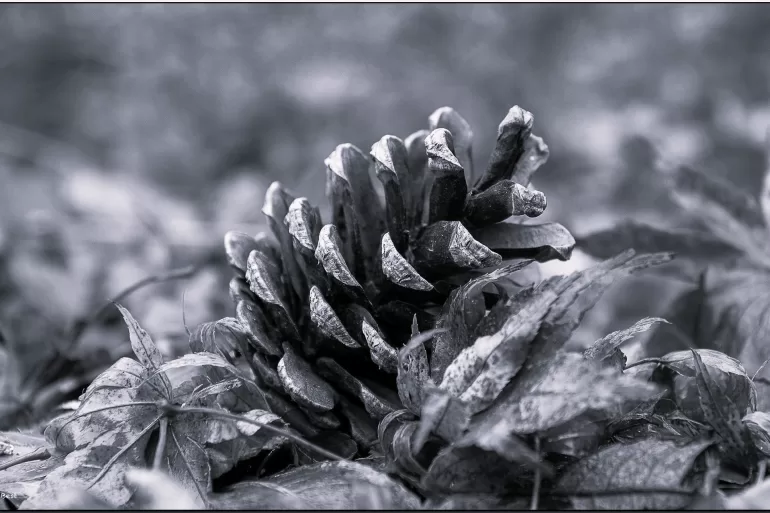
x: 174, y: 274
x: 160, y: 449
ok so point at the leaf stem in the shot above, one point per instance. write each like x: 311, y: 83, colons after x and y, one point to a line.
x: 124, y: 450
x: 160, y: 448
x: 643, y: 361
x: 238, y: 418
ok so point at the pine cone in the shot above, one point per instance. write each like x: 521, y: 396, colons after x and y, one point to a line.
x: 325, y: 308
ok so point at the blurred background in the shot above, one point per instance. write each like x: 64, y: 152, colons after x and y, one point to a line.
x: 132, y: 137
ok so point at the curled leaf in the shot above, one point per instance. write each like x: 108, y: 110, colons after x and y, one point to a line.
x: 481, y: 371
x: 758, y: 425
x: 725, y: 374
x: 718, y: 409
x: 442, y: 414
x: 462, y: 312
x: 604, y: 347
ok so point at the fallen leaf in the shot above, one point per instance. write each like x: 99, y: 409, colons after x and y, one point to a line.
x: 326, y: 485
x: 644, y: 465
x: 474, y: 470
x: 642, y: 237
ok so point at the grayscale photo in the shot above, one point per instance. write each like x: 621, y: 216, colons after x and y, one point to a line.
x: 384, y: 256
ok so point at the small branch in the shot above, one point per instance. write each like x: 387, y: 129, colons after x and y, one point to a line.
x: 160, y: 449
x: 174, y: 274
x: 36, y: 455
x: 538, y: 477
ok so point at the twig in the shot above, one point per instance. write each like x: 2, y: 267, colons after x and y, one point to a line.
x: 160, y: 449
x: 536, y: 488
x: 184, y: 315
x: 38, y: 454
x: 53, y: 366
x: 174, y: 274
